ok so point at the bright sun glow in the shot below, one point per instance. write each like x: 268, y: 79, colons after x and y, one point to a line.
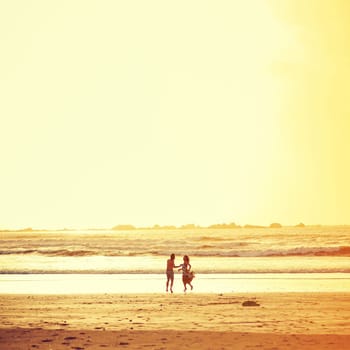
x: 154, y: 112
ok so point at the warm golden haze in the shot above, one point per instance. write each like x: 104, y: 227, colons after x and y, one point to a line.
x: 150, y: 112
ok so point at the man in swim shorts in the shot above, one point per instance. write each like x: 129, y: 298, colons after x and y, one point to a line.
x: 170, y: 265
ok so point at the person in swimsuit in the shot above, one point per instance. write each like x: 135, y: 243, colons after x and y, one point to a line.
x: 187, y: 274
x: 170, y: 265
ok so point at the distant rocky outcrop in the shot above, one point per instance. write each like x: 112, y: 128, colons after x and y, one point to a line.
x: 224, y: 226
x: 300, y: 225
x: 275, y: 225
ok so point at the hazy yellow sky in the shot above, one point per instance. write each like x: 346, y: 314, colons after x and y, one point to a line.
x: 174, y: 112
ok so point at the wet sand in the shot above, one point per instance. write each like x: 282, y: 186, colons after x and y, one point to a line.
x: 172, y: 321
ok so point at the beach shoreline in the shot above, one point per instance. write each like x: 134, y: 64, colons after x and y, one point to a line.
x: 70, y: 284
x: 168, y: 321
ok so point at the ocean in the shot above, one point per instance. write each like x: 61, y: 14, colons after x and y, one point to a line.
x: 224, y: 260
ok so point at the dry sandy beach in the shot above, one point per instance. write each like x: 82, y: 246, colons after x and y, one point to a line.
x: 173, y: 321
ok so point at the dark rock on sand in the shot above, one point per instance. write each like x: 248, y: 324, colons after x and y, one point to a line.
x: 250, y: 303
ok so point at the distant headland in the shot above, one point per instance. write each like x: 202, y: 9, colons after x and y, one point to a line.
x: 231, y: 225
x: 129, y: 227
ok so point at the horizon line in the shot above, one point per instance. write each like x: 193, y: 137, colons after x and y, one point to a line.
x: 130, y: 227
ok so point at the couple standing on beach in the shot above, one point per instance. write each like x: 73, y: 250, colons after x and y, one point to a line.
x: 187, y: 274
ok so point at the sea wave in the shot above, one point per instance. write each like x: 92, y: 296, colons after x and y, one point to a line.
x: 206, y: 250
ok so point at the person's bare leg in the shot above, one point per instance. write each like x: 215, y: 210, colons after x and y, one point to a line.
x: 167, y: 284
x: 171, y: 285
